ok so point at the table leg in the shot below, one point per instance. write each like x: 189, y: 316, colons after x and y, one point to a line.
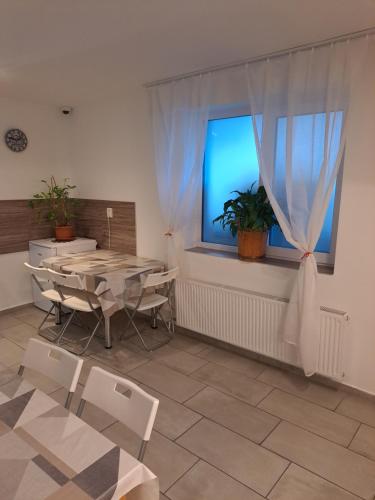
x: 107, y: 333
x: 154, y: 323
x: 58, y: 314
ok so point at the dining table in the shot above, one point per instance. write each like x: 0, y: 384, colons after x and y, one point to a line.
x: 47, y: 452
x: 113, y: 276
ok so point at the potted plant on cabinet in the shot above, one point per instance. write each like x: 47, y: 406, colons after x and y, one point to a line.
x: 56, y: 205
x: 249, y: 216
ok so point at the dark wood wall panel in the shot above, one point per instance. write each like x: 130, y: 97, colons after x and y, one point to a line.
x: 92, y: 223
x: 18, y: 225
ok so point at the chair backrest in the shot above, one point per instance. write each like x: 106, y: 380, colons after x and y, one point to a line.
x: 66, y: 280
x: 136, y: 409
x: 54, y: 362
x: 157, y: 279
x: 39, y: 274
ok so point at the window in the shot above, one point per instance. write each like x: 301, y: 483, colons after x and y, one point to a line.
x: 231, y: 164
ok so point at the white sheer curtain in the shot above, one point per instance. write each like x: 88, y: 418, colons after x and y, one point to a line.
x: 304, y: 99
x: 179, y: 122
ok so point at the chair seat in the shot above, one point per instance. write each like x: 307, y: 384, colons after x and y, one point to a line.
x: 78, y: 301
x: 54, y: 296
x: 148, y: 302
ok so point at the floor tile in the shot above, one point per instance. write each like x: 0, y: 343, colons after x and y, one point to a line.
x: 8, y: 373
x: 34, y: 316
x: 364, y: 442
x: 299, y: 484
x: 204, y: 482
x: 119, y: 358
x: 233, y: 383
x: 153, y: 338
x: 7, y: 321
x: 40, y: 381
x: 245, y: 461
x: 312, y: 417
x: 361, y: 409
x: 167, y: 381
x: 125, y: 437
x: 172, y: 418
x: 178, y: 360
x: 10, y: 353
x: 88, y: 363
x: 20, y: 334
x: 302, y: 387
x: 188, y: 344
x: 94, y: 416
x: 174, y: 358
x: 233, y: 361
x: 25, y: 309
x: 164, y: 457
x: 240, y: 417
x: 329, y: 460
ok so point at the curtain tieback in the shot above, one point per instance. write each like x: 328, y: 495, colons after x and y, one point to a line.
x: 305, y: 255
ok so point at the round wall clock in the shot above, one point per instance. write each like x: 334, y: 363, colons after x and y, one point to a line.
x: 16, y: 140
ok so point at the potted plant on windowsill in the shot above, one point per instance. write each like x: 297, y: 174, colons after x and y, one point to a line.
x: 56, y: 205
x: 249, y: 216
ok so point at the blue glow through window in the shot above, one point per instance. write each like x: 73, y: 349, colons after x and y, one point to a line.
x: 231, y: 164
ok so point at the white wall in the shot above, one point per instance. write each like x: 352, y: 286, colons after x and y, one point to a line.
x: 112, y: 152
x: 48, y: 153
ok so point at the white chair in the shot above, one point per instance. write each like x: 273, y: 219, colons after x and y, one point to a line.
x: 163, y: 284
x: 42, y: 279
x: 132, y: 407
x: 76, y: 298
x: 55, y: 363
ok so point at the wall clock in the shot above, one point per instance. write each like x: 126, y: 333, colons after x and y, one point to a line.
x: 16, y: 140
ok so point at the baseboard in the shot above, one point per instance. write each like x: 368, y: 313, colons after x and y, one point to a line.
x: 15, y: 308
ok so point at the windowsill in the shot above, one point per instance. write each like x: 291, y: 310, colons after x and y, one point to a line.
x: 288, y: 264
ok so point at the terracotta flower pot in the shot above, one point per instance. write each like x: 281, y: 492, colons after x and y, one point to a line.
x: 251, y: 244
x: 64, y: 233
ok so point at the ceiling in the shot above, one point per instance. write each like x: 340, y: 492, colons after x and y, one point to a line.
x: 70, y: 51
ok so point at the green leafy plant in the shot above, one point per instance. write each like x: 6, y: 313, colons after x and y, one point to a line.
x: 250, y: 211
x: 55, y: 203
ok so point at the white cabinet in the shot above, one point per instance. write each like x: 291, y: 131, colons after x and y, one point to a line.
x: 42, y: 249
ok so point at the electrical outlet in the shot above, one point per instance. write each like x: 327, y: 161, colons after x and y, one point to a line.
x: 109, y: 213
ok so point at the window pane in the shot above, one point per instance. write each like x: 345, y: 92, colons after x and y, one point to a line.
x: 308, y: 135
x: 230, y: 164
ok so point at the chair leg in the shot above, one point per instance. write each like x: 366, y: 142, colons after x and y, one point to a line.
x: 53, y: 337
x: 64, y: 328
x: 81, y: 407
x: 68, y: 400
x: 142, y: 450
x: 171, y: 320
x: 90, y: 337
x: 131, y: 322
x: 156, y: 312
x: 46, y: 317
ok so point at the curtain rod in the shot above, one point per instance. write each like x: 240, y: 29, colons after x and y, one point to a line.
x: 271, y: 55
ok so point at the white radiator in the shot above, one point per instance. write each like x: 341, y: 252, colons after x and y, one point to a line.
x: 253, y: 321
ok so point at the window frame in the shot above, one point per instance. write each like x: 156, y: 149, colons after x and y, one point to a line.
x: 288, y: 254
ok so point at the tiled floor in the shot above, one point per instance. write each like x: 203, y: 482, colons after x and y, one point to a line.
x: 228, y: 428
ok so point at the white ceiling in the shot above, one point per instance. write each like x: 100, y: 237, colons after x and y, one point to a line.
x: 68, y: 51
